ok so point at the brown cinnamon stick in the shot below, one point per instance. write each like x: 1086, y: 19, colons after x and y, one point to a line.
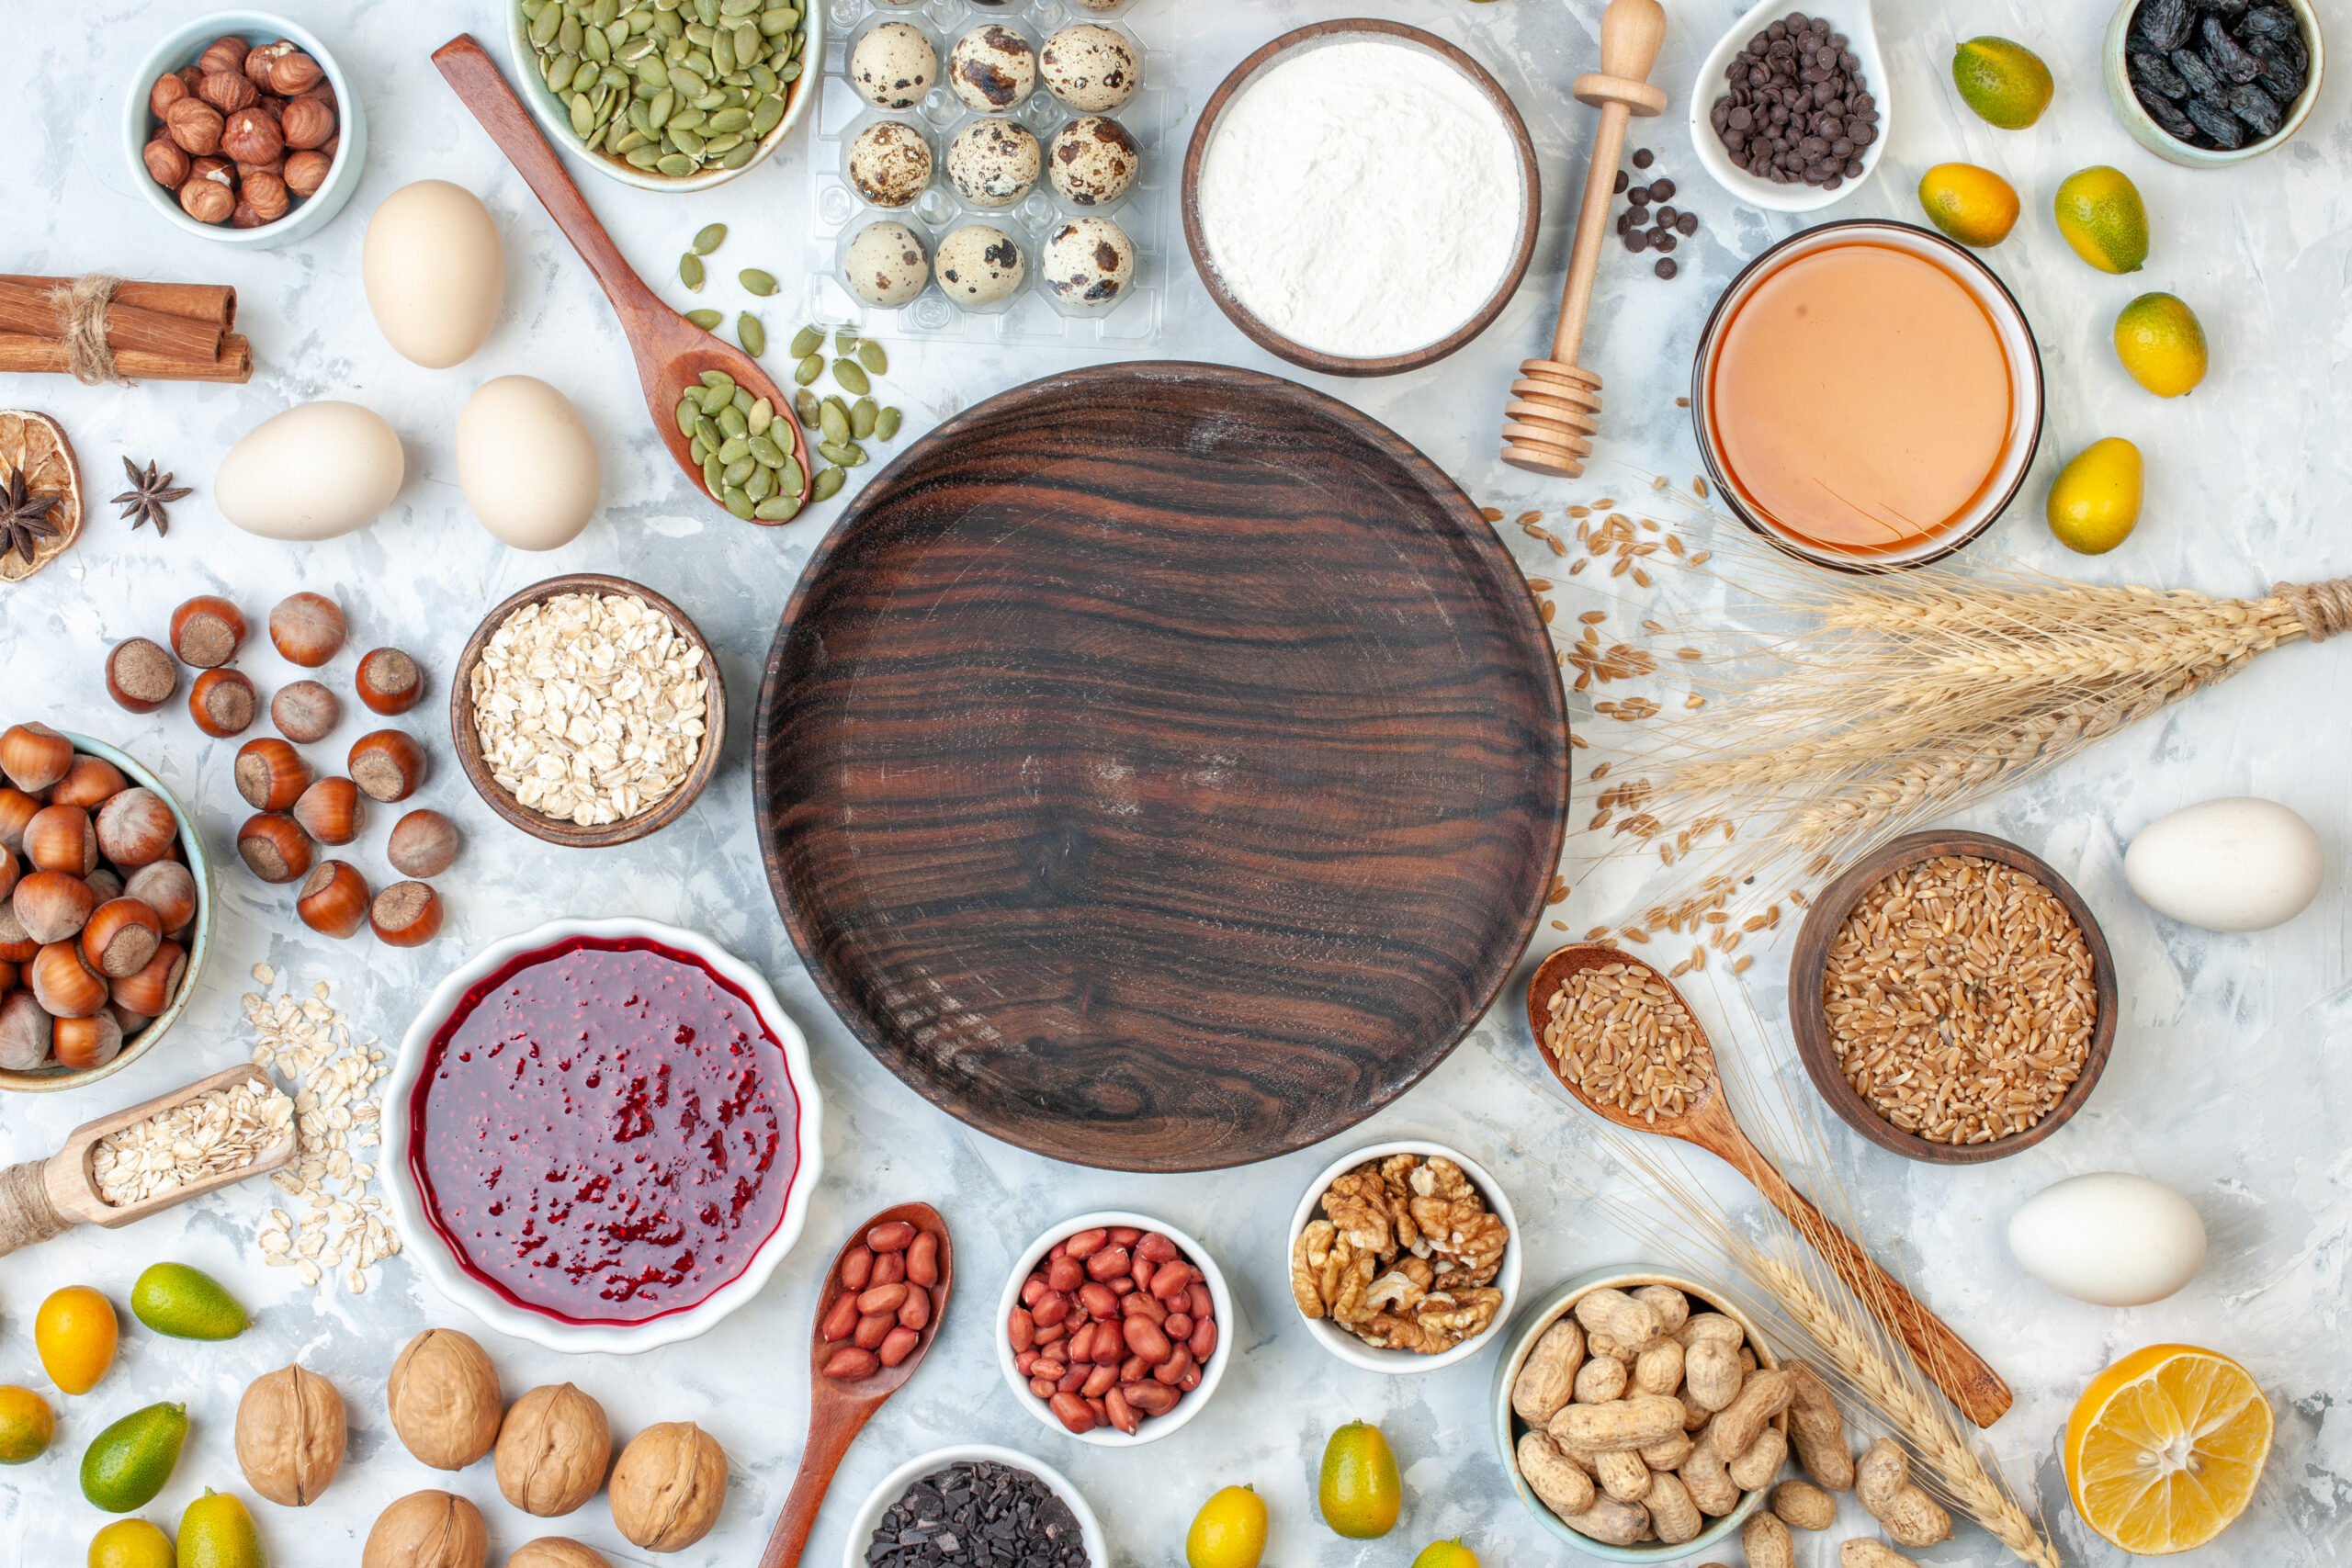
x: 197, y: 302
x: 21, y: 353
x: 25, y: 309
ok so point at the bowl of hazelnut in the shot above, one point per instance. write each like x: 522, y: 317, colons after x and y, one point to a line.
x: 240, y: 127
x: 107, y: 914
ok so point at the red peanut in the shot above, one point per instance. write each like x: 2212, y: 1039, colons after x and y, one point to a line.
x: 873, y: 1328
x: 1022, y: 1328
x: 1122, y: 1414
x: 1141, y: 1274
x: 1098, y: 1382
x: 1142, y: 1306
x: 841, y: 1322
x: 1100, y: 1299
x: 888, y: 1268
x: 1043, y: 1387
x: 1151, y: 1398
x: 850, y: 1363
x: 922, y: 1260
x: 1085, y: 1243
x: 1049, y: 1367
x: 882, y: 1298
x: 857, y: 1270
x: 1179, y: 1325
x: 1022, y: 1362
x: 917, y: 1309
x: 891, y: 1237
x: 1065, y: 1274
x: 1081, y: 1344
x: 1102, y: 1411
x: 1059, y: 1250
x: 1050, y: 1309
x: 897, y: 1345
x: 1109, y: 1263
x: 1145, y: 1340
x: 1123, y: 1284
x: 1074, y: 1379
x: 1124, y: 1235
x: 1189, y: 1381
x: 1172, y: 1281
x: 1174, y: 1368
x: 1135, y: 1369
x: 1203, y: 1345
x: 1031, y: 1287
x: 1154, y: 1248
x: 1047, y: 1335
x: 1204, y: 1304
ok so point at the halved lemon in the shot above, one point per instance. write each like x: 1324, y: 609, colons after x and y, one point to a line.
x: 2164, y: 1449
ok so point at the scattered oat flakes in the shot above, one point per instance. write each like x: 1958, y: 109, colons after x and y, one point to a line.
x: 307, y: 1041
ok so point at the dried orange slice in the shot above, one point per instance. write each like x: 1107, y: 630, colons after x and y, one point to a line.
x: 33, y: 449
x: 2164, y: 1448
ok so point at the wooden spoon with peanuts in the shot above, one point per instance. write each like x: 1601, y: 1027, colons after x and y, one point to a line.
x: 1707, y: 1121
x: 840, y: 1407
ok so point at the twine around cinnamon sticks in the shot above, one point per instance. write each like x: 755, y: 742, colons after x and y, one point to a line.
x: 102, y: 330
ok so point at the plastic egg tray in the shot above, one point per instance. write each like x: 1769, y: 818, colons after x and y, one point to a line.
x: 1031, y: 314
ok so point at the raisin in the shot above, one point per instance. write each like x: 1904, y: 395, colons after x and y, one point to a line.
x: 2154, y: 78
x: 2165, y: 24
x: 2193, y: 70
x: 2255, y: 107
x: 2215, y: 120
x: 2176, y: 125
x: 2269, y: 21
x: 2224, y: 54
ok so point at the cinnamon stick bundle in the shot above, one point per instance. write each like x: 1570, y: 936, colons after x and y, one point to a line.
x: 165, y: 331
x: 21, y: 353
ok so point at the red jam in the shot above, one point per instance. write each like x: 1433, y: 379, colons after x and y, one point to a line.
x: 605, y: 1131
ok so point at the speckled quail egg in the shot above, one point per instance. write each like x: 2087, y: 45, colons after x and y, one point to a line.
x: 979, y: 266
x: 1093, y: 161
x: 894, y: 66
x: 1090, y: 67
x: 890, y: 164
x: 993, y: 163
x: 1088, y: 262
x: 885, y: 265
x: 991, y: 68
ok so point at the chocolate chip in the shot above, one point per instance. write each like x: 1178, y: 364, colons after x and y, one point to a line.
x: 1666, y: 267
x: 1620, y: 189
x: 1661, y: 190
x: 1643, y: 157
x: 1660, y: 240
x: 1637, y: 239
x: 1665, y: 216
x: 1687, y: 223
x: 1639, y: 195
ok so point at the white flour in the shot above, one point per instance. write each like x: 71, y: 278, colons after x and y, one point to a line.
x: 1362, y: 199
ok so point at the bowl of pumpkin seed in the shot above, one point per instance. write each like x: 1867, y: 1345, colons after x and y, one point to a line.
x: 667, y: 95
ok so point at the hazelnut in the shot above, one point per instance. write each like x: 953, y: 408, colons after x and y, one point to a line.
x: 406, y: 914
x: 388, y: 765
x: 331, y: 811
x: 333, y: 901
x: 24, y: 1033
x: 82, y: 1043
x: 334, y: 145
x: 428, y: 1529
x: 305, y: 711
x: 306, y: 172
x: 423, y: 844
x: 249, y: 136
x: 135, y: 829
x: 191, y: 76
x: 89, y: 784
x: 227, y: 91
x: 553, y: 1450
x: 63, y: 985
x: 247, y: 171
x: 243, y: 215
x: 165, y: 162
x: 168, y: 888
x: 555, y: 1552
x: 104, y: 884
x: 271, y: 775
x: 443, y: 1394
x: 11, y: 868
x: 267, y: 194
x: 668, y: 1488
x: 293, y: 73
x: 17, y: 946
x: 388, y: 681
x: 226, y: 52
x: 306, y: 122
x: 60, y: 838
x: 16, y: 810
x: 196, y: 126
x: 290, y: 1432
x: 168, y: 90
x: 122, y: 937
x: 142, y: 677
x: 209, y: 200
x: 51, y: 906
x: 324, y: 90
x: 222, y: 702
x: 34, y: 757
x: 149, y: 992
x: 257, y: 61
x: 275, y: 847
x: 206, y: 631
x: 308, y: 629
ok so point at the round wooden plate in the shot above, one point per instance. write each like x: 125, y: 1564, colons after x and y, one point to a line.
x: 1160, y: 766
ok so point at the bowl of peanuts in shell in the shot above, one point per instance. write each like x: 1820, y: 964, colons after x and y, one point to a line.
x: 1403, y: 1258
x: 1635, y: 1368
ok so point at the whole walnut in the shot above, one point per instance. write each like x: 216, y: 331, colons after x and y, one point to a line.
x: 443, y: 1394
x: 306, y: 172
x: 168, y: 90
x: 306, y: 122
x: 165, y: 162
x: 266, y: 194
x: 669, y: 1486
x: 293, y: 73
x: 208, y: 198
x: 251, y: 137
x: 196, y: 126
x: 553, y: 1450
x: 428, y: 1529
x: 555, y: 1552
x: 224, y: 53
x: 227, y: 91
x: 290, y: 1432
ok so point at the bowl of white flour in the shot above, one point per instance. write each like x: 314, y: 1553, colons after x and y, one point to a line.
x: 1361, y: 197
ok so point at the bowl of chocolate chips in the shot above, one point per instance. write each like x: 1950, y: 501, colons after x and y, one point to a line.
x: 974, y: 1505
x: 2209, y: 83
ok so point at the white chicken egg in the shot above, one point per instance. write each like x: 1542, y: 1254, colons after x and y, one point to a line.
x: 2235, y: 864
x: 527, y: 463
x: 313, y: 472
x: 2109, y: 1238
x: 434, y: 271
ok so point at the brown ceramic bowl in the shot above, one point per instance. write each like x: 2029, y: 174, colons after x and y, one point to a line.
x: 1811, y: 962
x: 539, y: 824
x: 1313, y: 36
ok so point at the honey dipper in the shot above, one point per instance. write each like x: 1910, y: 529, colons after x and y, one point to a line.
x: 1549, y: 421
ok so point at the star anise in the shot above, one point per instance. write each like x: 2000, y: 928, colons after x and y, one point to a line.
x: 144, y: 502
x: 24, y: 519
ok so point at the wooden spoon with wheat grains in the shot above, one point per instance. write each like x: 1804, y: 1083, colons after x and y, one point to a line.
x: 1708, y: 1123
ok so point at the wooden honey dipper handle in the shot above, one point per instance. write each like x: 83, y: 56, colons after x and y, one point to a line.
x: 1550, y: 419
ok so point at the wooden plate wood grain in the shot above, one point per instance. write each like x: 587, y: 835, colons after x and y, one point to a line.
x: 1160, y: 766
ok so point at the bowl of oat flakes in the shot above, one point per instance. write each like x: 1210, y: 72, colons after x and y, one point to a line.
x: 588, y: 710
x: 1404, y: 1257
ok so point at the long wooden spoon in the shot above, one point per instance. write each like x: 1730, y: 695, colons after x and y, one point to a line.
x: 671, y: 352
x: 45, y: 1198
x: 839, y: 1411
x: 1963, y: 1374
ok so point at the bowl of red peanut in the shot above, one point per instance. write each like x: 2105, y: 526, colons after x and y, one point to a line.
x: 1115, y: 1328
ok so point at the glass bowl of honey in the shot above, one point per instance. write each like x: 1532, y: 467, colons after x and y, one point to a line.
x: 1868, y: 396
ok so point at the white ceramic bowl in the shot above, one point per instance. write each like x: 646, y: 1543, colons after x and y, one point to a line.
x: 434, y: 1254
x: 1404, y: 1364
x: 2155, y: 138
x: 180, y: 48
x: 1850, y: 16
x: 1157, y: 1427
x: 894, y: 1485
x: 555, y: 120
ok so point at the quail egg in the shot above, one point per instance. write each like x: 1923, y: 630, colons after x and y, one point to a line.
x: 885, y: 265
x: 991, y: 68
x: 890, y: 164
x: 1088, y: 262
x: 1093, y: 161
x: 993, y: 163
x: 894, y: 66
x: 979, y: 266
x: 1090, y: 67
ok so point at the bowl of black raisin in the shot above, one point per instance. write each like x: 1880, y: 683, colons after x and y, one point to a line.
x: 2205, y: 83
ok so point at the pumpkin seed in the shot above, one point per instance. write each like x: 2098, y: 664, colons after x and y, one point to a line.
x: 738, y: 503
x: 736, y: 448
x: 778, y: 509
x: 714, y: 475
x: 760, y: 283
x: 767, y: 452
x: 750, y: 335
x: 708, y: 433
x: 643, y: 157
x: 805, y: 407
x: 808, y: 341
x: 886, y: 425
x: 761, y: 485
x: 863, y: 416
x: 837, y: 451
x: 741, y: 156
x: 717, y: 378
x: 827, y: 484
x: 808, y: 369
x: 789, y: 479
x: 852, y: 375
x: 690, y: 270
x: 738, y: 472
x: 696, y: 451
x: 845, y: 342
x: 688, y: 412
x: 833, y: 422
x: 759, y: 416
x: 710, y: 238
x: 732, y: 423
x: 707, y: 320
x: 870, y: 354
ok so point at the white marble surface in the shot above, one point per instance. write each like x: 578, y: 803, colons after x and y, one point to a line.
x: 2229, y: 1068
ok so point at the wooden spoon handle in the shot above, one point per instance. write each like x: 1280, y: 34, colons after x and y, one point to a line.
x: 830, y: 1432
x: 27, y: 1214
x: 474, y: 77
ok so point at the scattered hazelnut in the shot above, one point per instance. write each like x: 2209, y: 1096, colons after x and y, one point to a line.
x: 196, y: 126
x: 168, y: 90
x: 123, y: 935
x: 308, y: 629
x: 306, y: 172
x: 168, y: 888
x: 305, y: 711
x: 136, y: 828
x: 206, y: 631
x: 226, y: 52
x: 306, y: 122
x: 271, y: 775
x: 553, y: 1449
x: 275, y: 847
x: 555, y: 1552
x: 149, y: 992
x: 16, y: 810
x: 89, y: 784
x: 227, y: 91
x: 142, y: 677
x: 388, y: 681
x: 668, y: 1488
x: 82, y: 1043
x: 24, y: 1033
x: 387, y: 764
x: 267, y: 194
x: 51, y: 906
x: 331, y: 811
x: 250, y: 136
x: 428, y: 1529
x: 63, y: 985
x: 222, y: 702
x: 443, y: 1393
x: 406, y: 914
x: 165, y: 162
x: 208, y: 201
x: 291, y: 1433
x: 60, y: 838
x: 423, y: 844
x: 293, y: 73
x: 334, y: 901
x: 34, y: 756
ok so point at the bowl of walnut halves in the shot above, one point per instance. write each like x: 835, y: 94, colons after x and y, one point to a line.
x: 1402, y: 1257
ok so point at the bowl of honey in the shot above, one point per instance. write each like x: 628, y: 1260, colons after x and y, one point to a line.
x: 1868, y: 396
